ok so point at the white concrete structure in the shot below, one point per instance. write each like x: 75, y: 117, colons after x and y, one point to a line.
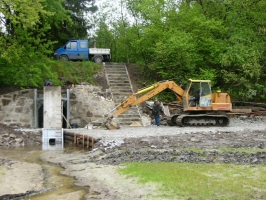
x: 52, y: 109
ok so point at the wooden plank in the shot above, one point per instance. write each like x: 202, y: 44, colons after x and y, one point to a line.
x: 83, y: 141
x: 66, y: 137
x: 88, y: 141
x: 92, y: 142
x: 243, y: 110
x: 75, y: 140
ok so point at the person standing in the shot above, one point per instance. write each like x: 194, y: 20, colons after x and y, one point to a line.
x: 156, y: 111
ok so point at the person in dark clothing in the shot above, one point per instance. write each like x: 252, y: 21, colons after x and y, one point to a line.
x: 48, y: 83
x: 156, y: 111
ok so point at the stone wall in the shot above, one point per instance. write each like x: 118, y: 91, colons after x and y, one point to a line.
x: 16, y: 108
x: 88, y: 104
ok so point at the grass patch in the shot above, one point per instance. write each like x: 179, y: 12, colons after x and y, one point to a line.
x: 202, y: 181
x: 75, y: 72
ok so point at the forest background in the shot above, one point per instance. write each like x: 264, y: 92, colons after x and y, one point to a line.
x: 220, y: 40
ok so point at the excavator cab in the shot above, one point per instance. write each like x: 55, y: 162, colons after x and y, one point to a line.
x: 198, y: 96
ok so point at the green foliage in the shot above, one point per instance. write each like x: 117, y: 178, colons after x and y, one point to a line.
x: 24, y: 68
x: 20, y: 67
x: 27, y: 39
x: 71, y: 22
x: 223, y: 41
x: 201, y: 181
x: 59, y: 22
x: 75, y: 72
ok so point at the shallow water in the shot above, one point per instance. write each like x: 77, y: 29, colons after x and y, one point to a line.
x: 57, y: 186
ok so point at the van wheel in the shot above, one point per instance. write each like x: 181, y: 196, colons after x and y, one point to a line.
x: 64, y: 58
x: 98, y: 59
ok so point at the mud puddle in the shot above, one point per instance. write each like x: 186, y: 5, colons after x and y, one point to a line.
x: 57, y: 186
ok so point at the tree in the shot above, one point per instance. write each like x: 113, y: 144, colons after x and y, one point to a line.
x: 219, y: 40
x: 23, y: 43
x: 76, y: 23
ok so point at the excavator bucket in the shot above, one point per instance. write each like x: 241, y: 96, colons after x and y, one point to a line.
x: 110, y: 124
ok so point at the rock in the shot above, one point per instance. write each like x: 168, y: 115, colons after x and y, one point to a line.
x: 112, y: 126
x: 146, y: 120
x: 19, y: 140
x: 165, y: 141
x: 135, y: 124
x: 12, y: 135
x: 193, y: 139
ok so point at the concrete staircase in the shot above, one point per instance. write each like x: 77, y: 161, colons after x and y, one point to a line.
x: 121, y: 88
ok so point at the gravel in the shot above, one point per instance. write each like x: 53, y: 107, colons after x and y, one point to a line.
x: 242, y: 123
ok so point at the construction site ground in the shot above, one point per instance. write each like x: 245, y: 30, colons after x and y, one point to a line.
x: 96, y: 169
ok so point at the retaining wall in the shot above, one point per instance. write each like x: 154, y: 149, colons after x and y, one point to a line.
x: 87, y: 104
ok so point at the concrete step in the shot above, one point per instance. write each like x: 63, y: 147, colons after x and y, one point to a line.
x: 126, y: 122
x: 120, y: 99
x: 128, y: 118
x: 107, y: 64
x: 118, y: 78
x: 114, y: 75
x: 109, y: 67
x: 132, y: 110
x: 116, y: 69
x: 113, y: 82
x: 119, y: 85
x: 126, y: 88
x: 121, y: 88
x: 117, y: 74
x: 122, y: 93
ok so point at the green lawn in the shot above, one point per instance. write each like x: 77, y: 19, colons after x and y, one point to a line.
x: 202, y: 181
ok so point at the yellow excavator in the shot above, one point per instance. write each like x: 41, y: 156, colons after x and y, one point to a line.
x: 200, y: 107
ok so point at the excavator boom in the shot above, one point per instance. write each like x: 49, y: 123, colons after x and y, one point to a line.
x: 147, y: 93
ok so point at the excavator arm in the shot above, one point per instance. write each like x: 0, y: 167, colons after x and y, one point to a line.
x: 141, y: 96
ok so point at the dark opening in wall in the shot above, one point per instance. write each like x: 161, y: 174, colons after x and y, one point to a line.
x: 64, y: 123
x: 52, y: 141
x: 40, y: 117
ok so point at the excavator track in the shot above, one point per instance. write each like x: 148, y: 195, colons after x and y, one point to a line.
x: 198, y: 120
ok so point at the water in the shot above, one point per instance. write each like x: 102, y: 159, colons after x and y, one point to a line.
x: 57, y: 186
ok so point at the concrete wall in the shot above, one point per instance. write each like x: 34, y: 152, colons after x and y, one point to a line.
x: 87, y: 104
x: 52, y: 114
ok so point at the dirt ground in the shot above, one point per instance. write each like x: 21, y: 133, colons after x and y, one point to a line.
x: 97, y: 169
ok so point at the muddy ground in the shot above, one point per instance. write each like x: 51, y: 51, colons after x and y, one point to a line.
x: 97, y: 169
